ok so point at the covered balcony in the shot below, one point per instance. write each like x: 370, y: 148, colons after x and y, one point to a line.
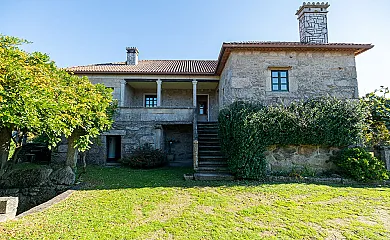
x: 168, y: 100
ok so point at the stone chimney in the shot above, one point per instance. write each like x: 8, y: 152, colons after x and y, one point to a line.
x: 313, y: 27
x: 132, y: 56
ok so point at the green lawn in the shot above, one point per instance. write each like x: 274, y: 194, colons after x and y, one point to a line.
x: 120, y: 203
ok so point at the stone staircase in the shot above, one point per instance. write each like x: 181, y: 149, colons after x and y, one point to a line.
x: 212, y: 164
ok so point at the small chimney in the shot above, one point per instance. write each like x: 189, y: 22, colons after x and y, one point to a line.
x: 132, y: 56
x: 313, y: 27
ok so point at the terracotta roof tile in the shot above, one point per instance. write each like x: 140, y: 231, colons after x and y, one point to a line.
x: 211, y: 67
x: 180, y: 67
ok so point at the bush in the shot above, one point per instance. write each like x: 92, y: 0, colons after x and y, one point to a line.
x: 145, y: 157
x: 246, y: 130
x: 360, y: 165
x: 377, y: 130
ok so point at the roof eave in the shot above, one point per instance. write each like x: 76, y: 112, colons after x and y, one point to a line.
x: 142, y: 73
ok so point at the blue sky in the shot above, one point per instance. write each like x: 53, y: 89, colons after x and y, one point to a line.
x: 84, y: 32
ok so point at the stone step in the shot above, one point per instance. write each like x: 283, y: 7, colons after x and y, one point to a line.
x: 208, y: 123
x: 209, y: 144
x: 212, y: 168
x: 210, y: 153
x: 208, y: 134
x: 208, y: 138
x: 207, y: 128
x: 213, y: 176
x: 202, y: 131
x: 216, y: 158
x: 212, y: 163
x: 209, y: 147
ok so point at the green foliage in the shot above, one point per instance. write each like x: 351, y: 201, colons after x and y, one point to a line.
x: 38, y: 97
x: 377, y: 130
x: 246, y: 130
x: 145, y: 157
x: 360, y: 165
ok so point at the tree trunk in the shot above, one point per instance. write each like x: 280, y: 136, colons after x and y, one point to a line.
x: 71, y: 156
x: 5, y: 141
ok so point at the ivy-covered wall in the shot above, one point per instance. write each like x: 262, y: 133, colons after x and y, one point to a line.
x: 247, y: 130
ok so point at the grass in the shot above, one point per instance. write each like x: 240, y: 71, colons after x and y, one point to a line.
x: 120, y: 203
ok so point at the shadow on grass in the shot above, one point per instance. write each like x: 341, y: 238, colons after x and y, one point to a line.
x: 99, y: 178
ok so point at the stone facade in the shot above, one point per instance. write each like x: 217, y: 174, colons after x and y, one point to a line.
x: 247, y: 76
x: 313, y: 27
x: 243, y: 72
x: 312, y: 159
x: 132, y: 56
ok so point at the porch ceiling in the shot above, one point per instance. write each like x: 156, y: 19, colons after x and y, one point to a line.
x: 173, y: 85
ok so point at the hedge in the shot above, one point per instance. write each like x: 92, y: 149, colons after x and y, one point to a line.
x: 247, y: 129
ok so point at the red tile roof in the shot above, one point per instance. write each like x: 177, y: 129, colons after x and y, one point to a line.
x: 212, y: 67
x: 175, y: 67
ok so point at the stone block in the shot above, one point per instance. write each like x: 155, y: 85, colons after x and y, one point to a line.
x: 115, y: 132
x: 8, y: 208
x: 287, y: 158
x: 63, y: 176
x: 62, y: 148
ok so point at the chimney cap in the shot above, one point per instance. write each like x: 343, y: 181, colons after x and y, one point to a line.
x: 317, y: 5
x: 132, y: 50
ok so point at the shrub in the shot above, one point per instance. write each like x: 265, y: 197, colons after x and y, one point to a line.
x: 145, y: 157
x: 247, y: 129
x: 377, y: 130
x: 360, y: 165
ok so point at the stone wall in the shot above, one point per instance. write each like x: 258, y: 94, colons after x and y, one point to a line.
x: 313, y: 159
x: 35, y: 186
x: 178, y: 141
x: 247, y: 76
x: 137, y: 133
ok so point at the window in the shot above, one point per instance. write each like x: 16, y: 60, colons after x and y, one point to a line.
x: 279, y: 80
x: 150, y: 100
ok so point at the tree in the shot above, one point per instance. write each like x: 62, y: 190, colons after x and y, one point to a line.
x: 38, y: 97
x: 377, y: 103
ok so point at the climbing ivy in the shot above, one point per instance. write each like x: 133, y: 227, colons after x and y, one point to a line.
x: 247, y: 129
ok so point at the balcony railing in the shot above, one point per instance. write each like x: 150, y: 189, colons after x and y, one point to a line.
x: 157, y: 114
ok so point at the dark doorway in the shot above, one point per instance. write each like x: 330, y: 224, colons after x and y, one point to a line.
x: 202, y: 107
x: 113, y: 148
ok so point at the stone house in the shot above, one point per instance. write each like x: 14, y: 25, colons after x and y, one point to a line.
x: 173, y: 104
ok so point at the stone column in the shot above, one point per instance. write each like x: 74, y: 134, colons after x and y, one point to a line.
x: 159, y: 83
x: 123, y: 88
x: 194, y: 83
